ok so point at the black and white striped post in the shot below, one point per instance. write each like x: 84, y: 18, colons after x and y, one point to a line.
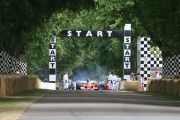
x: 127, y: 52
x: 52, y: 65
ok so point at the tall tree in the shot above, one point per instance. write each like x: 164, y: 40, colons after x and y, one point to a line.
x: 161, y: 20
x: 148, y: 18
x: 20, y: 17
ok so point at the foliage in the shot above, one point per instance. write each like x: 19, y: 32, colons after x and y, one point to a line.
x: 27, y: 26
x: 22, y: 17
x: 68, y: 50
x: 93, y: 54
x: 110, y: 15
x: 161, y: 21
x: 155, y: 51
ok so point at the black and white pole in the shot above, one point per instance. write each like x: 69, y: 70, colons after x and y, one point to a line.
x: 127, y: 52
x: 52, y: 64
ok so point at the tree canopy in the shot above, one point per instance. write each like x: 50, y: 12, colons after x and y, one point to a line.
x: 160, y: 19
x: 21, y: 17
x: 27, y: 26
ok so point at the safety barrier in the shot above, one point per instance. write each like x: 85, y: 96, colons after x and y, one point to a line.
x: 169, y: 85
x: 9, y: 64
x: 129, y: 85
x: 10, y: 84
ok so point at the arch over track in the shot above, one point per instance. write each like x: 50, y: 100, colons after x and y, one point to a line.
x: 91, y: 33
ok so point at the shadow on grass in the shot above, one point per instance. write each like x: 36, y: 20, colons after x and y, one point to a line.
x: 28, y: 95
x: 166, y: 96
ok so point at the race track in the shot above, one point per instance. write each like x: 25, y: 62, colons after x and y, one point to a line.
x: 100, y: 105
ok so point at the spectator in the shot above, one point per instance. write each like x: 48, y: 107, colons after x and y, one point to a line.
x: 110, y: 80
x: 133, y: 77
x: 65, y: 81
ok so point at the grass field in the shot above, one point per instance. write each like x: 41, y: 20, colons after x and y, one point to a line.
x: 173, y: 98
x: 11, y: 107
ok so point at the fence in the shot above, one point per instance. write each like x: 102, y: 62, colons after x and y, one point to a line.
x: 171, y: 65
x: 9, y: 64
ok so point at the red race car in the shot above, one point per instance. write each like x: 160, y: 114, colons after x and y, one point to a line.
x: 89, y: 85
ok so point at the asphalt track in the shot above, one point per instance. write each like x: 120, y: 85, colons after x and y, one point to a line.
x: 100, y: 105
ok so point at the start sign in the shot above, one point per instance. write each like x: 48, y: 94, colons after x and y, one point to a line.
x: 127, y: 51
x: 52, y: 61
x: 90, y: 33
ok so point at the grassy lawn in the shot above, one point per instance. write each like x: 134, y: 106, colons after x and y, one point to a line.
x: 173, y: 98
x: 11, y: 107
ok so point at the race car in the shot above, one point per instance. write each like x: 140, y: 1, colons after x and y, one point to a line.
x: 103, y: 85
x: 89, y: 85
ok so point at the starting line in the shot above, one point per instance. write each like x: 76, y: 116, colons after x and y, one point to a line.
x: 91, y: 33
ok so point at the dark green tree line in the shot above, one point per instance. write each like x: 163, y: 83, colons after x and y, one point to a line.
x: 27, y: 26
x: 161, y: 21
x: 22, y: 17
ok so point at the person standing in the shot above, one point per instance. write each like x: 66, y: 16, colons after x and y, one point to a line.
x: 114, y: 81
x: 158, y: 76
x: 117, y: 83
x: 110, y: 80
x: 65, y: 81
x: 133, y: 77
x: 74, y: 84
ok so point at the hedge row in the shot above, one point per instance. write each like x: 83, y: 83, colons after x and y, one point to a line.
x: 169, y: 85
x: 10, y: 84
